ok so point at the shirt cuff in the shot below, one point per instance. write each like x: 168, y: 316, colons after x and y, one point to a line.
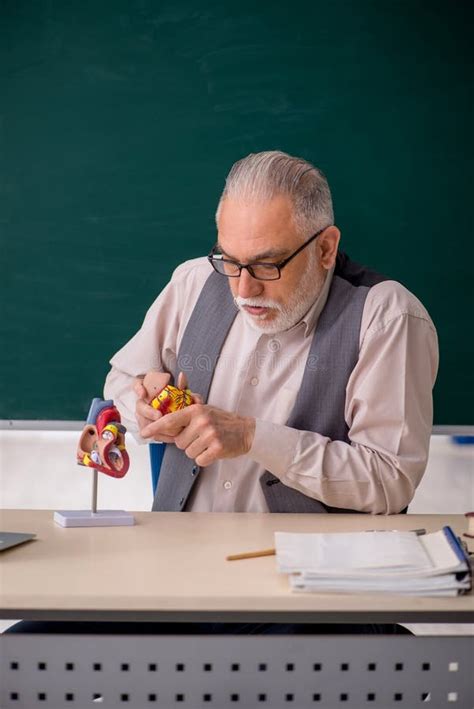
x: 274, y: 446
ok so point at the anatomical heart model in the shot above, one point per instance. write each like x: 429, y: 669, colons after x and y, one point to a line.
x: 101, y: 447
x: 102, y: 443
x: 163, y: 396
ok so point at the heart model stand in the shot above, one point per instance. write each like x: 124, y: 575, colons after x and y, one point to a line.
x: 103, y: 425
x: 92, y: 517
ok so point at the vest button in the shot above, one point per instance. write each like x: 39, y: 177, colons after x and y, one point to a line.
x: 194, y: 470
x: 181, y: 502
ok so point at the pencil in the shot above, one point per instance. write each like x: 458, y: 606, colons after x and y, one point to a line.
x: 251, y: 554
x: 272, y: 552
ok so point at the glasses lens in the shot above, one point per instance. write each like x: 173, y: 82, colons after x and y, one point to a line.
x: 265, y: 271
x: 226, y: 268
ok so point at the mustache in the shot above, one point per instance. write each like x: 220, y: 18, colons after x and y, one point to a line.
x: 256, y: 303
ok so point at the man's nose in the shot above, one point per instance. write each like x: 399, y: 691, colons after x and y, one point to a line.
x: 249, y: 287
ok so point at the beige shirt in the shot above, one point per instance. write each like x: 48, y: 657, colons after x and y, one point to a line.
x: 388, y: 406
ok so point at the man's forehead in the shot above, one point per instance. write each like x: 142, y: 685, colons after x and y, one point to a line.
x: 257, y: 229
x: 266, y: 254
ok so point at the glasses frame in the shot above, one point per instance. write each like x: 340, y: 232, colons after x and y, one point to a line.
x: 214, y: 256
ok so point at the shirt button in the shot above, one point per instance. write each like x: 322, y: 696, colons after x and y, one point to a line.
x: 254, y: 381
x: 227, y: 485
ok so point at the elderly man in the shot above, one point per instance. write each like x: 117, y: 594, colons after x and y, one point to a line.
x: 314, y: 374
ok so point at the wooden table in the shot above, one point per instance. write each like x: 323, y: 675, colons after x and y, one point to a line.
x: 171, y: 566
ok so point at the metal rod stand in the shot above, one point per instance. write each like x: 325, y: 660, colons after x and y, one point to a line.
x: 94, y: 491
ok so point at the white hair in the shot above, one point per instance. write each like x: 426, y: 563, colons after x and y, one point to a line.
x: 262, y: 176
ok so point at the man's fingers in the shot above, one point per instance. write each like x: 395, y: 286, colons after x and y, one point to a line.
x: 147, y: 412
x: 195, y: 448
x: 183, y: 384
x: 207, y: 457
x: 192, y: 437
x: 155, y: 430
x: 157, y: 439
x: 182, y: 381
x: 172, y: 424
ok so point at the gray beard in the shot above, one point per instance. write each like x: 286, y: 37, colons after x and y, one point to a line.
x: 293, y: 312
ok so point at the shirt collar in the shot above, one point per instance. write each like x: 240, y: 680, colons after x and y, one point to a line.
x: 311, y: 318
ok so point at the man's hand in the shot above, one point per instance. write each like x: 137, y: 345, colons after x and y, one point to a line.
x: 205, y: 433
x: 146, y: 414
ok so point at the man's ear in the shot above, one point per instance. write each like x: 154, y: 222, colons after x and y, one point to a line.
x: 328, y: 242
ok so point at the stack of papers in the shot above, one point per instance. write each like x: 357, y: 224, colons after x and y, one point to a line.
x: 375, y: 562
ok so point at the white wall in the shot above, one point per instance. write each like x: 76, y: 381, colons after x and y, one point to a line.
x: 38, y: 471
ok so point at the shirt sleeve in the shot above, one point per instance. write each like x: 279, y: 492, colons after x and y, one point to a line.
x: 155, y: 345
x: 389, y: 413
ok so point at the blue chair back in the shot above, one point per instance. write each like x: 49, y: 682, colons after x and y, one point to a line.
x: 157, y: 451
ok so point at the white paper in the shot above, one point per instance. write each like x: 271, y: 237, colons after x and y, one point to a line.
x: 346, y: 552
x: 371, y: 562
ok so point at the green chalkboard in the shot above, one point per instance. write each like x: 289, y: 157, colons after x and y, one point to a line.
x: 119, y: 121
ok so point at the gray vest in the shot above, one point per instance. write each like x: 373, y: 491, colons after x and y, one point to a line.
x: 320, y: 402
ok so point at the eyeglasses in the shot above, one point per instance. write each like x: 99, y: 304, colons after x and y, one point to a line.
x: 259, y: 270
